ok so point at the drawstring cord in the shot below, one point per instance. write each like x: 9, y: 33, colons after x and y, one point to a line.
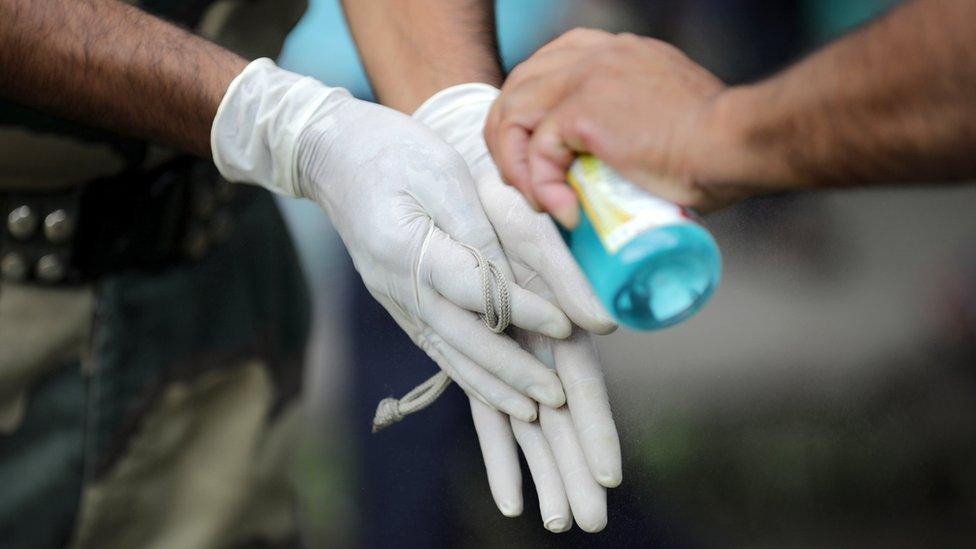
x: 391, y: 410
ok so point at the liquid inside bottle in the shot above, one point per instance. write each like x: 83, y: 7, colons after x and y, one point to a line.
x: 651, y: 262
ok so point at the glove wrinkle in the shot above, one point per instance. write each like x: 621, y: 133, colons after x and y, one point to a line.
x: 420, y: 259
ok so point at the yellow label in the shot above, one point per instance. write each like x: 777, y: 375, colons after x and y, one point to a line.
x: 618, y: 209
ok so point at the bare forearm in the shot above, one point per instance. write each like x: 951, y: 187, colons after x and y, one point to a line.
x: 891, y: 103
x: 414, y: 48
x: 111, y: 65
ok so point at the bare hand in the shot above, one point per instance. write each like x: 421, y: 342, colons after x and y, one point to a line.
x: 637, y: 103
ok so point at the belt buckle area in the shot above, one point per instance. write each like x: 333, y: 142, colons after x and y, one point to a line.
x: 142, y: 222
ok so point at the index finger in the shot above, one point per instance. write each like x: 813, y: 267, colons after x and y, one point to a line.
x: 533, y: 88
x: 501, y: 458
x: 587, y: 499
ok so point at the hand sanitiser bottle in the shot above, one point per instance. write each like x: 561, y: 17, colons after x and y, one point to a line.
x: 651, y: 262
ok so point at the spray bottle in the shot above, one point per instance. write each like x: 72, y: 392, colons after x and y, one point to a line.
x: 651, y: 262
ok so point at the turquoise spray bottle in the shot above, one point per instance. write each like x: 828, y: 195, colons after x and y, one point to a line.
x: 651, y: 262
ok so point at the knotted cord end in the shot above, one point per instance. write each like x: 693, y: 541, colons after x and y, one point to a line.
x: 387, y: 413
x: 496, y: 318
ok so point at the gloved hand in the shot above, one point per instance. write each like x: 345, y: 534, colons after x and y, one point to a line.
x: 573, y: 452
x: 406, y: 209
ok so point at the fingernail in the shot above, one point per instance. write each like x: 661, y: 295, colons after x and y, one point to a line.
x: 566, y: 215
x: 548, y: 395
x: 559, y: 199
x: 557, y: 524
x: 520, y: 409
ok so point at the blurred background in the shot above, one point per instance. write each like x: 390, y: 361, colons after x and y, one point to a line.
x: 827, y: 396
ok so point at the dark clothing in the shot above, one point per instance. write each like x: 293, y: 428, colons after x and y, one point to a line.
x: 152, y: 407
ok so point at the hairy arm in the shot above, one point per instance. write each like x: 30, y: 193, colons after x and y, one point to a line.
x: 895, y: 102
x: 114, y: 66
x: 414, y: 48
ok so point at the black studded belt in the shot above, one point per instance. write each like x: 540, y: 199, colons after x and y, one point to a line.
x: 136, y: 221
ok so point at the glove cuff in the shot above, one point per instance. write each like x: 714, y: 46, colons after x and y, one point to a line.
x: 255, y: 132
x: 461, y: 96
x: 457, y: 114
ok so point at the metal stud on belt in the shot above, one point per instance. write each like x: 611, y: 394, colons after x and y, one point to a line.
x: 13, y: 267
x: 58, y: 227
x: 46, y: 238
x: 28, y: 252
x: 22, y: 222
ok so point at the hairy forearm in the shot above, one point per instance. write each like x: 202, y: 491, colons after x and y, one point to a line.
x: 111, y: 65
x: 894, y: 102
x: 415, y: 48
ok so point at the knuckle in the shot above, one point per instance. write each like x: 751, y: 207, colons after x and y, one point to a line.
x: 583, y: 33
x: 517, y: 74
x: 578, y: 125
x: 576, y: 33
x: 629, y: 39
x: 574, y: 122
x: 509, y: 103
x: 664, y: 48
x: 592, y: 385
x: 506, y: 125
x: 628, y: 45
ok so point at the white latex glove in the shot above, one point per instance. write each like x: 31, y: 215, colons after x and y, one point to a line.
x: 403, y: 202
x: 573, y: 452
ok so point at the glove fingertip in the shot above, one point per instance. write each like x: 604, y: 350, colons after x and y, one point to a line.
x: 558, y: 524
x: 609, y: 478
x: 591, y: 516
x: 584, y: 308
x: 509, y: 507
x: 550, y: 395
x: 602, y: 326
x: 593, y: 526
x: 559, y: 327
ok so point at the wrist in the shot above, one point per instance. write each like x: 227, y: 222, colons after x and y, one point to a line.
x: 261, y: 120
x: 741, y: 148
